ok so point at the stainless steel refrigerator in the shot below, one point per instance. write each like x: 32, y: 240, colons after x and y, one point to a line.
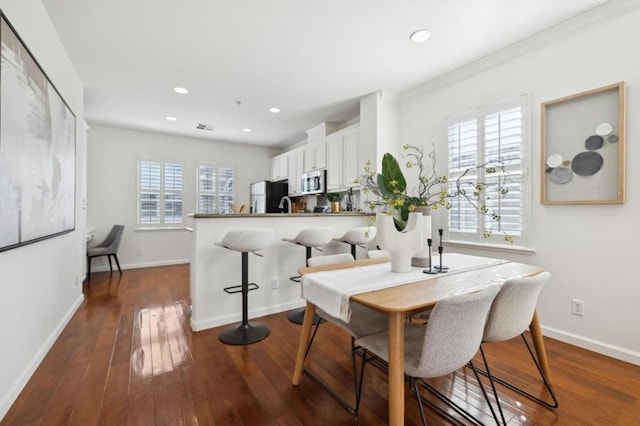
x: 266, y: 196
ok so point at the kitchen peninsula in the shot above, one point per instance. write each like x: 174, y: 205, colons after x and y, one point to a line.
x: 214, y: 267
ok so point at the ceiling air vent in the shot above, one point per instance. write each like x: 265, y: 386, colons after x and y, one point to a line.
x: 207, y: 127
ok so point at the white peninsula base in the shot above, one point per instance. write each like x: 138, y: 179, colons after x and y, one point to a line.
x: 213, y: 267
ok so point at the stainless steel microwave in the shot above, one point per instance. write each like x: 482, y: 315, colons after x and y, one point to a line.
x: 313, y: 182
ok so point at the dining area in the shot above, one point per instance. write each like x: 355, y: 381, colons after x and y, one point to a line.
x: 419, y: 325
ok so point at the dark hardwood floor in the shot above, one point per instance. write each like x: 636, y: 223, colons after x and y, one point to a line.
x: 128, y: 356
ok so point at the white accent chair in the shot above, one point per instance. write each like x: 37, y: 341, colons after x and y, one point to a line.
x: 364, y: 321
x: 448, y: 342
x: 510, y: 316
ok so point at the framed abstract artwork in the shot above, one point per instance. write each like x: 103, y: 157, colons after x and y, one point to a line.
x: 37, y: 149
x: 582, y: 150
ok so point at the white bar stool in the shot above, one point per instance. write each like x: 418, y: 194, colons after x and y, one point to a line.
x: 245, y: 241
x: 309, y: 238
x: 358, y: 237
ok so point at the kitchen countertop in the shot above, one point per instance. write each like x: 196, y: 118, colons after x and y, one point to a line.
x: 260, y: 215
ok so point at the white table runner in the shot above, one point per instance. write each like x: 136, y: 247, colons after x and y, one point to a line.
x: 331, y: 290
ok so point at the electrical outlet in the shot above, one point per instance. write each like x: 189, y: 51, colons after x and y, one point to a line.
x: 139, y: 251
x: 274, y: 282
x: 577, y: 307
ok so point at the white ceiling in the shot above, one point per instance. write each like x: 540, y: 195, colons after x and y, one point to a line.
x: 313, y: 59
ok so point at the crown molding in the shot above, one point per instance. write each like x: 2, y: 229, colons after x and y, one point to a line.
x: 604, y: 13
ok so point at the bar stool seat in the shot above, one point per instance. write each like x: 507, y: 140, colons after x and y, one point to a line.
x: 309, y: 238
x: 245, y: 241
x: 358, y: 237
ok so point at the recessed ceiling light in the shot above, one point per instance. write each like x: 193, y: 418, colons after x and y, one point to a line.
x: 169, y: 118
x: 274, y: 110
x: 420, y: 36
x: 247, y: 130
x: 180, y: 90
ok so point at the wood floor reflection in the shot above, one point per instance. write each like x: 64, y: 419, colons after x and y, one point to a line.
x: 129, y: 356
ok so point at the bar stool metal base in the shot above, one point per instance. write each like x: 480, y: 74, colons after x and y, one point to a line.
x: 243, y: 334
x: 297, y: 316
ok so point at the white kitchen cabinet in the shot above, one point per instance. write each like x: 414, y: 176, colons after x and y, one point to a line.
x: 315, y: 155
x: 342, y: 159
x: 280, y: 167
x: 296, y: 167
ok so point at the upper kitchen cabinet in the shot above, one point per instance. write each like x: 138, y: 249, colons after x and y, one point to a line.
x: 280, y: 167
x: 342, y: 159
x: 296, y: 165
x: 315, y: 156
x: 379, y: 131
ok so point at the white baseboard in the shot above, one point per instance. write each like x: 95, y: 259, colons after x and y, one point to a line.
x: 142, y: 265
x: 593, y: 345
x: 9, y: 398
x: 230, y: 319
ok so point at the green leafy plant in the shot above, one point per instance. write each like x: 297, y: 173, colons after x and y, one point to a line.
x: 334, y: 197
x: 433, y: 190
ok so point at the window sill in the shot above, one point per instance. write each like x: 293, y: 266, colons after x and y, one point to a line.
x: 491, y: 247
x: 162, y: 228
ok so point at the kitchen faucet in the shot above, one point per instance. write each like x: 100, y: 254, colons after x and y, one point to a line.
x: 281, y: 205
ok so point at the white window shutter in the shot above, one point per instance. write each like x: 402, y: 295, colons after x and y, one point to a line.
x: 492, y: 135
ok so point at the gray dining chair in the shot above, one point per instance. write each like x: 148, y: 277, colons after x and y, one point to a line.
x: 363, y: 322
x: 446, y: 343
x: 510, y: 316
x: 109, y: 247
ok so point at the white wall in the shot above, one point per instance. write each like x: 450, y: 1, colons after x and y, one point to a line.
x: 40, y: 283
x: 112, y: 156
x: 589, y: 250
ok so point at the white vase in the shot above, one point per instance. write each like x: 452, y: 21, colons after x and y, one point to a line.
x: 421, y: 258
x: 402, y: 245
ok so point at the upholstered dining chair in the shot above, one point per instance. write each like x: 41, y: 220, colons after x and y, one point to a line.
x: 446, y: 343
x: 364, y: 321
x: 510, y: 316
x: 109, y: 247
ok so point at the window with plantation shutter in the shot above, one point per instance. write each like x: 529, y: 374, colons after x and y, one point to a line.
x: 215, y: 189
x: 160, y: 193
x: 491, y: 135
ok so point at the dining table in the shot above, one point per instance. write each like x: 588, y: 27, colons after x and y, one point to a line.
x: 400, y: 295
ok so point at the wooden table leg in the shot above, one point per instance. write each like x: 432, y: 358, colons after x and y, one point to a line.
x: 396, y: 368
x: 305, y: 334
x: 538, y: 343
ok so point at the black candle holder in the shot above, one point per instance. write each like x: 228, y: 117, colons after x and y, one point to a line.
x: 430, y: 271
x: 441, y: 268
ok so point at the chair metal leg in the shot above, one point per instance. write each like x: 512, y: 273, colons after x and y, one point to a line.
x: 350, y: 408
x: 115, y: 256
x: 88, y: 268
x: 464, y: 413
x: 522, y: 391
x: 358, y: 385
x: 492, y: 382
x: 413, y: 385
x: 416, y: 391
x: 313, y: 336
x: 110, y: 267
x: 493, y: 388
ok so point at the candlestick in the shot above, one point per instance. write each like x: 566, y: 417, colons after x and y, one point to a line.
x: 441, y: 268
x: 430, y: 270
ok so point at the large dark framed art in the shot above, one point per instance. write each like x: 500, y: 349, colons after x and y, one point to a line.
x: 582, y: 152
x: 37, y: 149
